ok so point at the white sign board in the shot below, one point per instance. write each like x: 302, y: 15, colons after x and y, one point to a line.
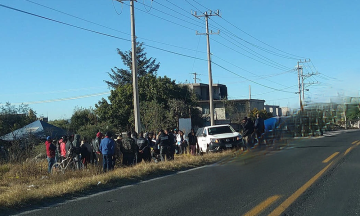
x: 185, y: 125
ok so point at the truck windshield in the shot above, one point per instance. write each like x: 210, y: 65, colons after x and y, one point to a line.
x: 220, y: 130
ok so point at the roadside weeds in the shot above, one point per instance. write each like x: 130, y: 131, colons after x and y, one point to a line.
x: 29, y: 183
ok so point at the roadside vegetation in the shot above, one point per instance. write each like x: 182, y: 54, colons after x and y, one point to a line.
x: 29, y: 183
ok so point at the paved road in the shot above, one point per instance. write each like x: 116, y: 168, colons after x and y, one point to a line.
x: 311, y: 177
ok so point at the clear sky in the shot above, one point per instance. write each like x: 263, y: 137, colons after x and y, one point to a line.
x: 261, y: 40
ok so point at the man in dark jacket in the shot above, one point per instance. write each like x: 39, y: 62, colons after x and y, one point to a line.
x: 172, y: 144
x: 164, y: 143
x: 248, y: 126
x: 129, y: 150
x: 50, y: 152
x: 192, y: 142
x: 107, y: 147
x: 259, y: 128
x: 144, y: 148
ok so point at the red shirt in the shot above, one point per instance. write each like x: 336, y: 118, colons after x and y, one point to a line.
x: 49, y: 152
x: 63, y: 149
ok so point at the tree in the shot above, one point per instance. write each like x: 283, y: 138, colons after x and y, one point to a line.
x: 61, y: 123
x: 161, y: 99
x: 12, y: 117
x: 121, y: 76
x: 81, y: 117
x: 263, y: 114
x: 353, y: 112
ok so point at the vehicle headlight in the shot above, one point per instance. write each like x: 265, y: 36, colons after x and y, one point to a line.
x: 238, y: 138
x: 215, y: 140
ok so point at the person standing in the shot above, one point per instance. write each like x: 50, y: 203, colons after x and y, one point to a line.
x: 50, y: 152
x: 144, y: 148
x: 129, y: 150
x: 259, y: 128
x: 164, y: 143
x: 172, y: 143
x: 192, y: 142
x: 63, y: 148
x: 95, y: 146
x: 117, y: 154
x: 86, y: 151
x: 106, y: 147
x: 181, y: 142
x: 247, y: 132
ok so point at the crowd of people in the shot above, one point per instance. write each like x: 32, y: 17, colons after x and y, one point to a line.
x: 253, y: 132
x: 133, y: 148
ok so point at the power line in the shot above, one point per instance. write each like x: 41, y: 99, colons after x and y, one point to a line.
x: 104, y: 34
x: 268, y: 64
x: 167, y: 19
x: 250, y: 71
x: 296, y: 56
x: 61, y: 99
x: 257, y: 54
x: 193, y: 5
x: 112, y: 36
x: 250, y: 80
x: 146, y: 39
x: 185, y: 15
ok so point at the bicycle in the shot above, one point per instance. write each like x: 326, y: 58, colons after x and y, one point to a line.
x: 72, y: 162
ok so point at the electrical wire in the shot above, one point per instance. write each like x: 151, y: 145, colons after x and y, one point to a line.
x: 170, y: 16
x: 146, y: 6
x: 276, y: 67
x: 293, y: 56
x: 257, y: 54
x: 112, y: 36
x: 250, y: 80
x: 114, y: 7
x: 252, y: 72
x: 146, y: 39
x: 185, y: 15
x: 61, y: 99
x: 192, y: 5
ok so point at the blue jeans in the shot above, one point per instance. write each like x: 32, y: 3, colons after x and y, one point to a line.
x: 107, y: 163
x: 51, y: 162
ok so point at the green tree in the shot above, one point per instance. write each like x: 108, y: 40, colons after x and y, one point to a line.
x: 161, y: 99
x: 12, y: 117
x: 353, y: 112
x: 61, y: 123
x: 82, y: 117
x: 121, y: 76
x: 263, y: 114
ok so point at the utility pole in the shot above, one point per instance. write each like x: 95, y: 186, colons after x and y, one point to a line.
x: 195, y: 76
x: 208, y: 14
x: 299, y: 82
x: 134, y: 67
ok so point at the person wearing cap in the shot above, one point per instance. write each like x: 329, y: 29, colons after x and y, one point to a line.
x: 50, y: 152
x: 107, y: 147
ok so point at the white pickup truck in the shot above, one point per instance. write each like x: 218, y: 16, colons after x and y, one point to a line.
x: 218, y: 137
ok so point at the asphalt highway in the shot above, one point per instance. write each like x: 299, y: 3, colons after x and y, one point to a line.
x: 312, y: 176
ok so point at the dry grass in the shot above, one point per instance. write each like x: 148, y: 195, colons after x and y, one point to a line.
x: 28, y: 183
